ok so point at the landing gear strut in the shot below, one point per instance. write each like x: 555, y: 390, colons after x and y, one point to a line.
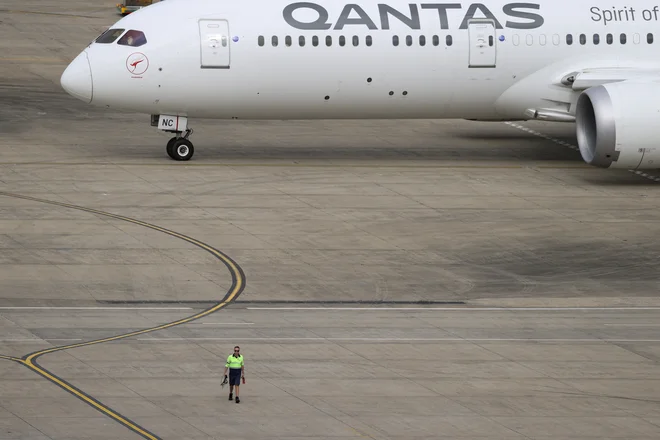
x: 180, y: 148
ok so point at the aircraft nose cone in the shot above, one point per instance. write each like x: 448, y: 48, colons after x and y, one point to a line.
x: 77, y: 78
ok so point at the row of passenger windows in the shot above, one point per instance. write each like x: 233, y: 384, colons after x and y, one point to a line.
x: 288, y: 41
x: 355, y: 40
x: 582, y: 39
x: 435, y: 40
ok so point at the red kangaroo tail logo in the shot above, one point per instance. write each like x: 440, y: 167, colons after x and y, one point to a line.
x: 137, y: 63
x: 134, y: 64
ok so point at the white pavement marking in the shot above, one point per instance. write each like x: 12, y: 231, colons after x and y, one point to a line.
x: 398, y: 339
x: 36, y: 340
x: 573, y: 147
x: 458, y: 309
x: 95, y: 308
x: 224, y: 323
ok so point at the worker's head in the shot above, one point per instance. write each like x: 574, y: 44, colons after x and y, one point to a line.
x: 237, y: 349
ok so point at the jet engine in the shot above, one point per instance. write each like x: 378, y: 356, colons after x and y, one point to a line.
x: 618, y: 125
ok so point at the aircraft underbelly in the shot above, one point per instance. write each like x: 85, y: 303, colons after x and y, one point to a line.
x: 370, y: 95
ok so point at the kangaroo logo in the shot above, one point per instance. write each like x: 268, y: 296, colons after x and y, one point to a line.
x: 137, y: 63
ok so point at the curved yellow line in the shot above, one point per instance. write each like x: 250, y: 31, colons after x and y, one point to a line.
x: 136, y: 333
x: 29, y: 361
x: 104, y: 409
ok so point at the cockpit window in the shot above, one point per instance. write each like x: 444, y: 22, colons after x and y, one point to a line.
x: 109, y: 36
x: 133, y: 38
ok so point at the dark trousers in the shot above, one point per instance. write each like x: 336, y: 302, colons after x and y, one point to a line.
x: 234, y: 376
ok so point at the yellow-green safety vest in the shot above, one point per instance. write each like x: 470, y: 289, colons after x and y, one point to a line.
x: 234, y: 362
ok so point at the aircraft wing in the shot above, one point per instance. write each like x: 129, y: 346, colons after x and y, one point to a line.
x: 586, y: 78
x: 558, y: 98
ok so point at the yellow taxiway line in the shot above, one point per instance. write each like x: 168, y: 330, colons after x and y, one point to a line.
x: 30, y: 360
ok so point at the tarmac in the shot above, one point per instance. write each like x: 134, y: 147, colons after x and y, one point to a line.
x: 385, y: 280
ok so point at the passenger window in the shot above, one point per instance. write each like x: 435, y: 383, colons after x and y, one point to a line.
x: 301, y: 41
x: 529, y: 40
x: 408, y: 40
x: 315, y: 41
x: 395, y: 40
x: 287, y: 41
x: 516, y: 39
x: 596, y: 39
x: 422, y: 40
x: 109, y: 36
x: 569, y: 39
x: 328, y: 41
x: 636, y: 38
x: 583, y: 39
x: 449, y: 40
x: 610, y: 39
x: 273, y: 40
x: 555, y: 39
x: 133, y: 38
x: 623, y: 39
x: 356, y: 40
x: 436, y: 40
x: 542, y: 39
x: 342, y: 40
x: 368, y: 40
x: 261, y: 40
x: 649, y: 38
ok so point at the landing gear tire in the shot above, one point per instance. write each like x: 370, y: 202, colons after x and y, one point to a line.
x: 180, y: 149
x: 170, y: 144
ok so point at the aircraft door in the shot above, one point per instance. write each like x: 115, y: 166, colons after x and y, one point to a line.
x: 483, y: 47
x: 214, y: 39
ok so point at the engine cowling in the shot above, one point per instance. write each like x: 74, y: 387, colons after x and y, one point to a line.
x: 618, y: 125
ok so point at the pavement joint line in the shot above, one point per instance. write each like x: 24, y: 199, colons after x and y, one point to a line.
x: 399, y: 339
x: 30, y: 360
x: 58, y: 14
x: 305, y: 303
x: 301, y: 165
x: 39, y: 339
x: 573, y: 147
x: 461, y: 309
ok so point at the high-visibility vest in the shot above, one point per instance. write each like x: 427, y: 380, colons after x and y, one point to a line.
x: 234, y: 362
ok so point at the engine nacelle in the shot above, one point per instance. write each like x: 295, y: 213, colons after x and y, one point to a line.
x: 618, y: 125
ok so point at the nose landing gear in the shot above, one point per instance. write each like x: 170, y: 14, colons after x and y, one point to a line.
x: 180, y: 148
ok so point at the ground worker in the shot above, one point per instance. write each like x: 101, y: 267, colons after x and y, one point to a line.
x: 236, y: 371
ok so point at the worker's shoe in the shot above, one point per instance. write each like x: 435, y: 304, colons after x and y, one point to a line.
x: 238, y: 400
x: 231, y: 396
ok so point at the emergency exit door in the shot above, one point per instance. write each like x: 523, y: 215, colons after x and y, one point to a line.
x: 483, y: 49
x: 214, y: 39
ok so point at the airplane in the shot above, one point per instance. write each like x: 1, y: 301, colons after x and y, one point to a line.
x: 562, y: 61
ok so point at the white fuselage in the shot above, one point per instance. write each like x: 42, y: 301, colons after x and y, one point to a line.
x: 522, y: 69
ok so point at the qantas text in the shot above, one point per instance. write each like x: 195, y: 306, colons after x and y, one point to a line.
x: 355, y: 15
